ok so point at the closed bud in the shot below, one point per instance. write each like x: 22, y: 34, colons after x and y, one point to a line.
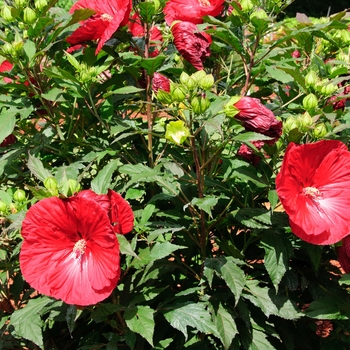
x: 290, y: 123
x: 200, y: 104
x: 164, y: 97
x: 6, y: 13
x: 29, y: 16
x: 3, y: 206
x: 19, y: 196
x: 311, y: 79
x: 320, y: 131
x: 20, y: 3
x: 310, y: 102
x: 246, y: 5
x: 51, y: 183
x: 40, y: 4
x: 187, y: 81
x: 305, y: 121
x: 7, y: 49
x: 328, y: 89
x: 200, y: 74
x: 261, y: 14
x: 177, y: 92
x: 206, y: 82
x: 74, y: 187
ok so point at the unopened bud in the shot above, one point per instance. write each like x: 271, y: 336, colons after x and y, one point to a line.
x: 200, y: 74
x: 310, y: 102
x: 40, y: 4
x: 29, y: 16
x: 187, y: 81
x: 6, y: 13
x: 177, y: 92
x: 206, y: 82
x: 200, y: 104
x: 164, y: 97
x: 19, y: 196
x: 20, y: 3
x: 305, y: 121
x: 74, y: 187
x: 51, y: 183
x: 311, y: 79
x: 320, y: 131
x: 328, y: 89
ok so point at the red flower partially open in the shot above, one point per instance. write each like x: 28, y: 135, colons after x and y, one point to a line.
x: 256, y: 117
x: 70, y: 250
x: 314, y: 188
x: 192, y: 44
x: 160, y: 82
x: 109, y: 16
x: 191, y: 10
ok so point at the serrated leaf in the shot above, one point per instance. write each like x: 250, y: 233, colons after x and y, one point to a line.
x: 194, y: 315
x: 259, y: 341
x: 206, y: 203
x: 278, y: 251
x: 278, y: 74
x: 225, y: 325
x: 102, y: 181
x: 273, y: 199
x: 127, y: 90
x: 147, y: 212
x: 227, y: 269
x: 7, y: 123
x: 27, y: 321
x: 254, y: 217
x: 29, y: 49
x: 329, y: 308
x: 37, y: 168
x: 152, y: 64
x: 140, y: 320
x: 54, y: 95
x: 125, y: 246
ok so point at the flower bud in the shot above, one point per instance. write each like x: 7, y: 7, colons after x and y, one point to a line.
x: 296, y: 54
x: 177, y: 132
x: 246, y: 5
x: 198, y: 75
x: 311, y: 79
x: 320, y: 131
x: 3, y: 206
x: 29, y: 16
x: 6, y: 13
x: 291, y: 129
x: 187, y: 81
x: 200, y: 104
x: 51, y: 183
x: 19, y: 196
x: 261, y: 14
x: 40, y: 4
x: 177, y: 92
x: 328, y: 89
x: 74, y: 187
x: 7, y: 49
x: 305, y: 121
x: 207, y: 82
x: 20, y: 3
x: 164, y: 97
x: 310, y: 102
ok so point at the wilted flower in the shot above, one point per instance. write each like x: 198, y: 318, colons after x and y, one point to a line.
x: 314, y: 188
x: 192, y: 44
x: 191, y: 10
x: 248, y: 154
x: 9, y: 140
x: 70, y: 250
x: 344, y: 254
x: 160, y: 82
x: 109, y: 16
x: 258, y: 118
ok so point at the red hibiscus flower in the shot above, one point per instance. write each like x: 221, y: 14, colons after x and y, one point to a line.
x: 191, y: 10
x: 256, y: 117
x: 70, y: 250
x: 344, y: 254
x: 160, y: 82
x: 9, y: 140
x: 116, y: 207
x: 314, y: 188
x: 192, y: 44
x: 248, y: 153
x: 109, y: 16
x: 6, y: 66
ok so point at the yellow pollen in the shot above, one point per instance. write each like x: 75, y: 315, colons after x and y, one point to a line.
x: 204, y: 2
x: 79, y: 248
x: 106, y: 17
x: 312, y: 192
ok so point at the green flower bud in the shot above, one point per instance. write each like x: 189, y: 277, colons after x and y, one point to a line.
x: 20, y: 3
x: 164, y: 97
x: 51, y: 183
x: 305, y: 121
x: 198, y: 75
x: 177, y: 132
x: 246, y: 5
x: 7, y: 49
x: 310, y: 102
x: 291, y: 129
x: 188, y: 81
x: 29, y: 16
x: 19, y: 196
x: 261, y: 14
x: 328, y: 89
x: 320, y: 131
x: 177, y: 92
x: 6, y: 13
x: 74, y: 187
x: 40, y: 4
x: 3, y: 206
x: 311, y: 79
x: 206, y: 82
x: 200, y: 104
x: 229, y: 109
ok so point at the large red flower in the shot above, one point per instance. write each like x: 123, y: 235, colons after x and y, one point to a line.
x: 314, y: 188
x: 256, y: 117
x: 191, y: 10
x: 70, y: 250
x: 109, y: 16
x: 193, y: 45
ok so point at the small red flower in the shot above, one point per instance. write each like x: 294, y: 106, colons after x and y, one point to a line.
x: 248, y: 153
x: 191, y: 10
x: 193, y: 45
x: 314, y: 188
x: 296, y: 54
x: 9, y: 140
x: 344, y: 254
x: 6, y: 66
x: 160, y: 82
x: 109, y: 16
x: 70, y: 250
x: 258, y: 118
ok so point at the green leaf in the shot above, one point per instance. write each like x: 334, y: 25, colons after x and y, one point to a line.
x: 278, y: 74
x: 7, y: 123
x: 250, y: 136
x: 125, y: 246
x: 27, y: 321
x: 254, y: 217
x: 226, y: 326
x: 140, y: 320
x: 147, y: 10
x: 37, y: 168
x: 29, y: 49
x: 102, y: 182
x: 345, y: 279
x: 278, y: 251
x: 101, y: 311
x: 207, y: 203
x: 259, y: 341
x: 80, y: 15
x: 54, y: 95
x: 227, y: 269
x: 71, y: 316
x: 147, y: 212
x: 152, y: 64
x: 127, y: 90
x: 194, y: 315
x: 273, y: 199
x: 329, y: 308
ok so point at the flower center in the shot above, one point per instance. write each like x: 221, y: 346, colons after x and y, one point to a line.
x: 79, y: 248
x: 312, y: 192
x: 106, y: 17
x: 204, y: 2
